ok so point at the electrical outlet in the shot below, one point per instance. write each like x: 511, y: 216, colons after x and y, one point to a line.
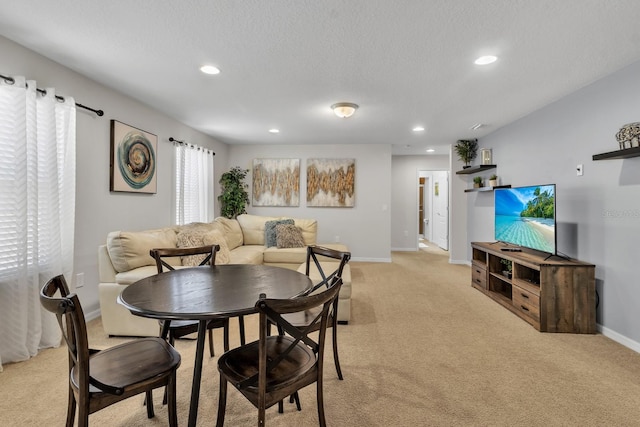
x: 579, y: 170
x: 337, y: 239
x: 79, y: 280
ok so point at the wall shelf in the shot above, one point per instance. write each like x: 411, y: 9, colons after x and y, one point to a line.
x: 475, y: 169
x: 471, y: 190
x: 626, y: 153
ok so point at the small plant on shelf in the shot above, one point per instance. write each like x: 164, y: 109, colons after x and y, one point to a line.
x: 477, y: 182
x: 493, y: 180
x: 466, y: 149
x: 507, y: 269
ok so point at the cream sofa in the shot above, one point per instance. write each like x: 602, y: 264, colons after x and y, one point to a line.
x: 125, y: 259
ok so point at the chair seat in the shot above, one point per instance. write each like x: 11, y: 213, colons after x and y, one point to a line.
x: 131, y: 363
x: 242, y: 363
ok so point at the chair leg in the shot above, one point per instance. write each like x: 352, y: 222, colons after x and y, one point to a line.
x: 83, y: 412
x: 71, y: 408
x: 280, y: 407
x: 241, y: 324
x: 296, y: 398
x: 222, y: 401
x: 226, y: 335
x: 321, y: 418
x: 173, y: 413
x: 172, y: 341
x: 335, y: 350
x: 211, y: 351
x: 149, y: 400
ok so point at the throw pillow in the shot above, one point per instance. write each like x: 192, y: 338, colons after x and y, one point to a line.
x: 270, y: 231
x: 217, y: 238
x: 289, y: 236
x: 191, y: 238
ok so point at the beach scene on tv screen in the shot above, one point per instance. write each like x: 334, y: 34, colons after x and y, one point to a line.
x: 525, y: 216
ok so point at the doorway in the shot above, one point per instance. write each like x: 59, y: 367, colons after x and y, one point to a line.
x: 433, y: 208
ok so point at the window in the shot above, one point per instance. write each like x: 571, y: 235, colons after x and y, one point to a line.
x: 194, y: 184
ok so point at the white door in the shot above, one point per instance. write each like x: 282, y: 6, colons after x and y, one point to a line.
x: 427, y: 209
x: 441, y: 209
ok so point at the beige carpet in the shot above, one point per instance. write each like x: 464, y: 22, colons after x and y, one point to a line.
x: 423, y: 349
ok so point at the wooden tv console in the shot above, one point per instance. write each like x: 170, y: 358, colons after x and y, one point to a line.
x: 552, y: 294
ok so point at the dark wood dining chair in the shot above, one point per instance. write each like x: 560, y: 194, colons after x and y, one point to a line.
x: 100, y: 378
x: 274, y: 367
x: 176, y: 329
x: 322, y: 273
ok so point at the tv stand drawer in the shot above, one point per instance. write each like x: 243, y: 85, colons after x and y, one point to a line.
x: 526, y: 302
x: 479, y: 276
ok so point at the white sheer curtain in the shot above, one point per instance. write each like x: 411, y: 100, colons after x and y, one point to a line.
x: 37, y: 208
x: 194, y: 184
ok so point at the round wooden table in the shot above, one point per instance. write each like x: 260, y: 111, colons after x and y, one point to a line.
x: 204, y: 293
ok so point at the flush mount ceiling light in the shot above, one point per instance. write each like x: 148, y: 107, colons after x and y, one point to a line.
x: 274, y: 130
x: 418, y: 129
x: 484, y: 60
x: 210, y: 69
x: 344, y: 109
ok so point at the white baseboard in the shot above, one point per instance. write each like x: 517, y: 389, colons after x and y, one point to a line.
x: 404, y: 249
x: 460, y: 261
x: 619, y: 338
x: 92, y: 315
x: 364, y: 259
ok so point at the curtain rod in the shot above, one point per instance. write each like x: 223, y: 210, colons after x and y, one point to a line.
x: 172, y: 139
x: 11, y: 80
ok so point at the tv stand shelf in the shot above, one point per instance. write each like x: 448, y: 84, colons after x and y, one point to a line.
x: 552, y: 294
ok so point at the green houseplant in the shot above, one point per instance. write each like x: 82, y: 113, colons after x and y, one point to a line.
x: 467, y: 150
x: 234, y: 197
x: 493, y: 180
x: 477, y: 182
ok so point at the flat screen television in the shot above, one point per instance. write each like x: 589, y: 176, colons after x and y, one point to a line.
x: 526, y: 216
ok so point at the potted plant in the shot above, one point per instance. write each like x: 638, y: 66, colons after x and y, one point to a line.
x: 508, y: 267
x: 493, y: 180
x: 477, y: 182
x: 466, y: 149
x: 234, y: 196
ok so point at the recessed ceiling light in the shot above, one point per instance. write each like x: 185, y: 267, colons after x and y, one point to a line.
x: 274, y: 130
x: 418, y: 129
x: 430, y: 150
x: 210, y: 69
x: 484, y: 60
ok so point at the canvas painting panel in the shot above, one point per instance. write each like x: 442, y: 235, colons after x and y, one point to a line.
x: 331, y: 182
x: 133, y: 159
x: 276, y: 182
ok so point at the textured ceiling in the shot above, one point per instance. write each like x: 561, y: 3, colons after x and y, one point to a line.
x: 405, y: 62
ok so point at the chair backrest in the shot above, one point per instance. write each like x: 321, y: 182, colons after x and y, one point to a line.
x: 207, y: 255
x: 313, y: 252
x: 271, y: 311
x: 70, y: 317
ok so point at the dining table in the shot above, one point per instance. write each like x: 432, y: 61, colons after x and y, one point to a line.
x: 207, y: 292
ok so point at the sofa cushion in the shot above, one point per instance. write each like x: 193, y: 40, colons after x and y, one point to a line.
x: 194, y: 236
x: 309, y: 229
x: 273, y: 255
x: 270, y: 232
x: 232, y: 232
x: 253, y: 228
x: 130, y: 249
x: 289, y: 236
x: 247, y: 254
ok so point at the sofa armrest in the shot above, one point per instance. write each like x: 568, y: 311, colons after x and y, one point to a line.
x: 106, y: 272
